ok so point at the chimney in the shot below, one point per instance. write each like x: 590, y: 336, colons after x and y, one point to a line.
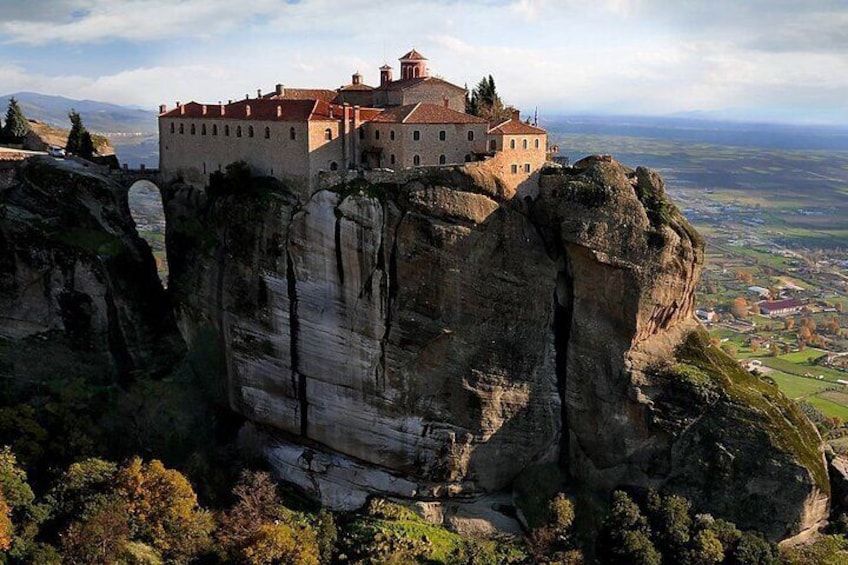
x: 247, y: 96
x: 516, y: 115
x: 279, y: 90
x: 203, y: 110
x: 385, y: 75
x: 162, y: 108
x: 259, y: 93
x: 247, y: 110
x: 178, y: 104
x: 279, y: 111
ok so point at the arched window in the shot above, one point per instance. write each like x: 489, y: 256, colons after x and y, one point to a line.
x: 267, y: 132
x: 392, y: 135
x: 182, y: 128
x: 416, y: 135
x: 203, y: 129
x: 536, y: 144
x: 392, y: 159
x: 442, y: 160
x: 470, y: 135
x: 227, y: 130
x: 524, y: 144
x: 328, y: 134
x: 238, y: 131
x: 249, y: 131
x: 292, y: 135
x: 214, y: 129
x: 493, y: 144
x: 172, y: 127
x: 334, y: 166
x: 442, y: 135
x: 512, y: 144
x: 192, y: 129
x: 416, y: 160
x: 376, y: 134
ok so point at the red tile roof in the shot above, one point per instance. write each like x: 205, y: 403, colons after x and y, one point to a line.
x: 412, y: 82
x: 787, y: 303
x: 303, y: 94
x: 414, y: 56
x: 350, y: 87
x: 260, y: 109
x: 425, y: 114
x: 515, y: 127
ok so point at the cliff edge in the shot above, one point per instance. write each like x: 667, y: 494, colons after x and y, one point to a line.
x: 430, y: 339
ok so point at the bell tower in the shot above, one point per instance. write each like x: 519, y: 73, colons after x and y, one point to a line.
x: 413, y: 65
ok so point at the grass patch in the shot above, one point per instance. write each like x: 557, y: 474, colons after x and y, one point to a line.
x: 802, y: 357
x: 796, y: 387
x: 828, y: 407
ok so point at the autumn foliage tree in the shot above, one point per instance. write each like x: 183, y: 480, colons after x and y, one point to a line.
x: 6, y: 527
x: 739, y: 307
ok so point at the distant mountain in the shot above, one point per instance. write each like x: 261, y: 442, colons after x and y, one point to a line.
x: 99, y: 117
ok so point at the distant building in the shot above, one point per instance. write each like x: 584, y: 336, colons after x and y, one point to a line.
x: 759, y: 290
x: 296, y: 134
x: 780, y: 307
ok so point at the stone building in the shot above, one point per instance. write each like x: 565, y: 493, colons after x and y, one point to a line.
x: 296, y: 134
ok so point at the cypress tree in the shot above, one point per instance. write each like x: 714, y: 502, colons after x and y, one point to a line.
x: 75, y: 137
x: 16, y: 122
x: 86, y: 149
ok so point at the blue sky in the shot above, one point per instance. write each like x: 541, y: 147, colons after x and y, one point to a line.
x: 775, y: 60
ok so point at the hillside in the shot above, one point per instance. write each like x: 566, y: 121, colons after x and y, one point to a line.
x: 99, y: 117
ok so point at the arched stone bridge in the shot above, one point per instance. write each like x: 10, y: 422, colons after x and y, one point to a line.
x: 126, y: 177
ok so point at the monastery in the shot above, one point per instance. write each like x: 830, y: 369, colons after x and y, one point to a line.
x: 297, y: 134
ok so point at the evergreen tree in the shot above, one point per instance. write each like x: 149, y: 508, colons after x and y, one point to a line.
x: 485, y: 102
x: 16, y: 122
x: 75, y: 137
x: 86, y: 149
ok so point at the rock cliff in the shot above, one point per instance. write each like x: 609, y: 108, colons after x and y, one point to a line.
x: 75, y: 278
x: 432, y: 338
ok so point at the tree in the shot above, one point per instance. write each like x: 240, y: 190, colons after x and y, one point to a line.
x: 788, y: 323
x: 707, y: 548
x: 485, y: 101
x: 282, y: 544
x: 79, y: 139
x: 745, y: 277
x: 98, y: 538
x: 6, y: 528
x: 625, y: 537
x: 739, y: 307
x: 16, y: 124
x: 163, y: 510
x: 753, y: 549
x: 670, y: 521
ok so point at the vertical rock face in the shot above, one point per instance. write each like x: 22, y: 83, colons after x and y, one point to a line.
x: 74, y: 269
x: 433, y: 339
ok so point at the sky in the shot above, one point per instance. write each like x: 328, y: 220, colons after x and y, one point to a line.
x: 757, y: 60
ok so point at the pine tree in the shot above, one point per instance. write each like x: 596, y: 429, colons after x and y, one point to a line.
x: 485, y: 101
x: 75, y: 137
x: 16, y: 122
x: 86, y: 149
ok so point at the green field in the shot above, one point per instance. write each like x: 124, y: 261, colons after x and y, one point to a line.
x: 828, y: 408
x: 798, y: 387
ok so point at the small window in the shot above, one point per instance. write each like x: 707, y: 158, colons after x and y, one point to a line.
x: 416, y: 160
x: 172, y: 127
x: 468, y: 158
x: 524, y: 143
x: 204, y: 167
x: 526, y: 167
x: 514, y: 169
x: 182, y: 128
x: 334, y: 166
x: 193, y: 129
x: 512, y: 144
x: 536, y: 144
x: 361, y: 133
x: 392, y: 135
x: 292, y: 134
x: 443, y: 135
x: 267, y: 132
x: 416, y: 135
x: 392, y: 158
x: 376, y: 134
x: 493, y: 144
x: 227, y: 130
x: 442, y: 160
x: 249, y: 131
x: 203, y: 129
x: 328, y: 134
x: 214, y: 129
x: 238, y: 131
x: 470, y: 135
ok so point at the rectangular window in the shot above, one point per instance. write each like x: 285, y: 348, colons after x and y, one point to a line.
x: 416, y: 135
x: 514, y: 169
x: 526, y: 167
x: 442, y: 135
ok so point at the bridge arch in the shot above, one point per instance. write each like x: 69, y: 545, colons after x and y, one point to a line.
x: 144, y: 198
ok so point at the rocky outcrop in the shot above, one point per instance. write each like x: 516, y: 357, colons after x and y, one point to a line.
x: 76, y: 276
x: 432, y: 339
